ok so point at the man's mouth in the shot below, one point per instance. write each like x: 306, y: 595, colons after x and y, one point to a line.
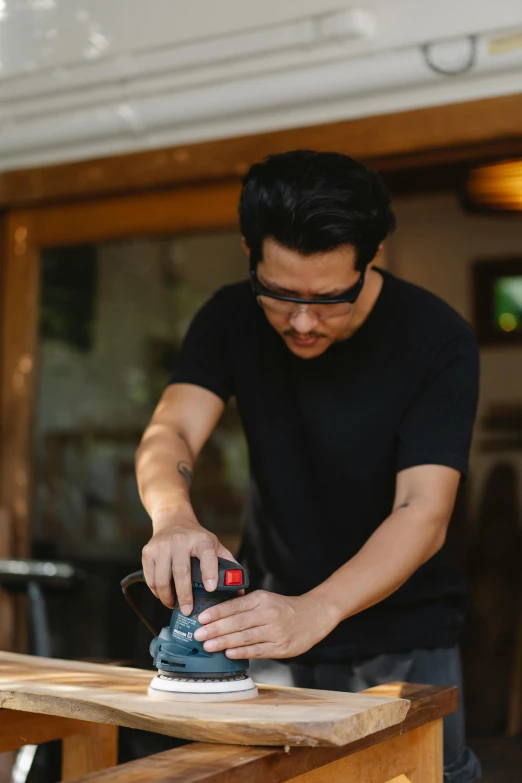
x: 303, y: 340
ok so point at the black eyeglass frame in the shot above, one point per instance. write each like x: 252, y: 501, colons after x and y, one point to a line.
x: 349, y: 296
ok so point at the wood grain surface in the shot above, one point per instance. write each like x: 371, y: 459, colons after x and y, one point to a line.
x: 206, y: 763
x: 111, y: 694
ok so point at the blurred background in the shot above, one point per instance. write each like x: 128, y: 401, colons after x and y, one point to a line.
x: 125, y: 128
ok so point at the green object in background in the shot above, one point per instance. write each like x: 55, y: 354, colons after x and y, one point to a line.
x: 507, y: 309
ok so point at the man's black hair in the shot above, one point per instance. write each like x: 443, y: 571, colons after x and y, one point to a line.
x: 313, y: 202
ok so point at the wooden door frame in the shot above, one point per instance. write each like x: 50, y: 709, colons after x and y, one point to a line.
x: 25, y: 234
x: 79, y: 203
x: 489, y: 128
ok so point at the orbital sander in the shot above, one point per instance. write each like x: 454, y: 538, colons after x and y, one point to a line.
x: 186, y: 671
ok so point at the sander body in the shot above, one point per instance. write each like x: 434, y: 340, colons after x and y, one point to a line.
x: 186, y: 671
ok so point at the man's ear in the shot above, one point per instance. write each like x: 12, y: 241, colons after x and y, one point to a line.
x: 376, y: 256
x: 245, y: 246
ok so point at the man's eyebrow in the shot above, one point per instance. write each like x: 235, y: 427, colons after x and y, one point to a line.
x: 281, y: 290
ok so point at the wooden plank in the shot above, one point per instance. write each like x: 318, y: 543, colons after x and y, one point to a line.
x: 419, y: 752
x: 191, y: 210
x: 212, y: 763
x: 416, y: 756
x: 408, y: 138
x: 111, y: 694
x: 25, y: 728
x: 19, y: 281
x: 7, y: 601
x: 19, y: 318
x: 89, y: 751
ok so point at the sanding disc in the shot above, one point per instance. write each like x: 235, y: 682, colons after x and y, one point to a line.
x: 186, y: 689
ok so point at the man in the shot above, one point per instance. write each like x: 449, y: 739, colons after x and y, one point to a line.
x: 357, y: 393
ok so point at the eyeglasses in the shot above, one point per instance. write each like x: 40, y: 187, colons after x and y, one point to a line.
x: 321, y: 308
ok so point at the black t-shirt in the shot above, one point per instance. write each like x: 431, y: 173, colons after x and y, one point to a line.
x: 326, y: 438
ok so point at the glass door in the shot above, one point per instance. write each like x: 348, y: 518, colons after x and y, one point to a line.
x: 112, y: 317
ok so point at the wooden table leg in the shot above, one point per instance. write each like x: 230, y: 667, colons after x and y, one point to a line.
x: 414, y: 757
x: 91, y: 750
x: 86, y: 747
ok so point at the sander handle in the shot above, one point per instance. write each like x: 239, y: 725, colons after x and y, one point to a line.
x: 224, y: 566
x: 126, y: 582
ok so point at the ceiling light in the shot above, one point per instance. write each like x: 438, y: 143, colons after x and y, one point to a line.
x: 496, y: 187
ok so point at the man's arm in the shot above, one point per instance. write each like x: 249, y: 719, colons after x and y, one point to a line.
x: 411, y: 535
x: 184, y: 419
x: 264, y: 624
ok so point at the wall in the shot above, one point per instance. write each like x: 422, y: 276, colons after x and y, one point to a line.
x: 84, y: 78
x: 435, y: 246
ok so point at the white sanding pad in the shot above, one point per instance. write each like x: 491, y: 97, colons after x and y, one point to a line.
x: 175, y: 689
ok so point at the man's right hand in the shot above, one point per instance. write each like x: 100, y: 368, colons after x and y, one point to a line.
x: 177, y: 537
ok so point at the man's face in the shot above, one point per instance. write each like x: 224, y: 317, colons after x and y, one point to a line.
x: 323, y: 275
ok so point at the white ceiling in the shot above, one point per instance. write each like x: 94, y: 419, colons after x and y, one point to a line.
x: 80, y: 78
x: 46, y: 34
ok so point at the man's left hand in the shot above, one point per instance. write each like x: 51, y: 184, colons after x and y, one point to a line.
x: 266, y: 625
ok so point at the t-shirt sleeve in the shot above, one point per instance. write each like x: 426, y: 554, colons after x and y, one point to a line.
x: 205, y: 356
x: 437, y: 427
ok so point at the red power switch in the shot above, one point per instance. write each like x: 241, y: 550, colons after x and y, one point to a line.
x: 234, y: 576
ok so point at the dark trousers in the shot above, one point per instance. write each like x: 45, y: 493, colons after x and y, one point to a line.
x: 431, y: 667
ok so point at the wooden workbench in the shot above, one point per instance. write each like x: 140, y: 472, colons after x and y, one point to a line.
x: 375, y: 736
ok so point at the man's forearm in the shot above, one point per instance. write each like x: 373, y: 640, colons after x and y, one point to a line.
x: 164, y: 466
x: 405, y: 540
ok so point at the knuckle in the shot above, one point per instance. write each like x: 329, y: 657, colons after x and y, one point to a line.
x: 238, y: 622
x: 180, y: 570
x: 206, y: 541
x: 248, y: 636
x: 162, y: 583
x: 240, y: 604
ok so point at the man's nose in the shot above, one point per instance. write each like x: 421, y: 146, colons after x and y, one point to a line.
x: 303, y: 320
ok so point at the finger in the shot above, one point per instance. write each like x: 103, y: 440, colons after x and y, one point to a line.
x: 208, y: 561
x: 236, y: 622
x: 226, y: 553
x: 163, y: 582
x: 182, y: 580
x: 148, y: 572
x: 227, y: 608
x: 241, y: 639
x: 259, y: 650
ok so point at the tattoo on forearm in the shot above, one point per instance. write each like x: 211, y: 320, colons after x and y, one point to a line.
x: 404, y: 505
x: 185, y: 471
